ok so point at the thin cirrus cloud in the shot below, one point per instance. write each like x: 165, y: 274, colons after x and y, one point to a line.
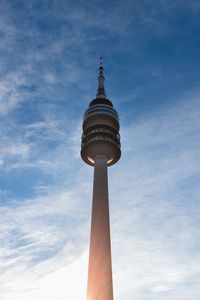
x: 9, y: 93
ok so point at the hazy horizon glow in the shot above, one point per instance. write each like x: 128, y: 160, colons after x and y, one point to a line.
x: 49, y: 65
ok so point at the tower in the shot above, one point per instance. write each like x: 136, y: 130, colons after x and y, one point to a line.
x: 100, y: 148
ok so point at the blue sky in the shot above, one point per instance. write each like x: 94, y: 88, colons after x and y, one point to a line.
x: 49, y: 52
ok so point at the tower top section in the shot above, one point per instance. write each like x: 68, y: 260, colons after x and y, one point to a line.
x: 100, y: 127
x: 101, y: 79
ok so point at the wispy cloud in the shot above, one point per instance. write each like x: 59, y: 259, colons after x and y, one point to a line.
x: 40, y: 225
x: 10, y: 95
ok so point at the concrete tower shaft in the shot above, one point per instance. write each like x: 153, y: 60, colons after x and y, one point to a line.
x: 100, y: 284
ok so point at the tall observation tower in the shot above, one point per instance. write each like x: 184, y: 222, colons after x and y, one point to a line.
x: 100, y: 148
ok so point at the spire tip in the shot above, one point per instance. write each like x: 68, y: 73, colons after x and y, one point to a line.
x: 101, y: 62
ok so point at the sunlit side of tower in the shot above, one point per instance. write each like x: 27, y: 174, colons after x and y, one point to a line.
x: 100, y: 148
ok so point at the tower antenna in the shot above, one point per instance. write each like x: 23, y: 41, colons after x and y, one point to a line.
x: 101, y: 79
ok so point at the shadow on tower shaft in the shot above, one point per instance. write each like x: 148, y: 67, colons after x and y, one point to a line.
x: 100, y: 148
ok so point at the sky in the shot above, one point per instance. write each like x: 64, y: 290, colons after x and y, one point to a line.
x: 49, y: 55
